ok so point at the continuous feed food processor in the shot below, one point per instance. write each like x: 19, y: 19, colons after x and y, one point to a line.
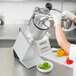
x: 33, y: 42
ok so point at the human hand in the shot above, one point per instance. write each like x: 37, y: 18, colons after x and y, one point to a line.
x: 67, y: 14
x: 57, y: 19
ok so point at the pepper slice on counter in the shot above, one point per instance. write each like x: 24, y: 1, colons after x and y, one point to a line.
x: 65, y: 53
x: 68, y: 61
x: 60, y: 52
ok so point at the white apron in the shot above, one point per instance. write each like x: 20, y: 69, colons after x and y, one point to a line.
x: 72, y: 56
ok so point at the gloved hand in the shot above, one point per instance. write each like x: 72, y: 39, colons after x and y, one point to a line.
x: 57, y: 19
x: 68, y: 14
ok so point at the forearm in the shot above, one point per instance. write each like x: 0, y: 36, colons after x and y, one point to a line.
x: 75, y: 19
x: 61, y: 39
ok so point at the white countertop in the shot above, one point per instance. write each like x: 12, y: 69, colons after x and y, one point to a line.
x: 61, y: 60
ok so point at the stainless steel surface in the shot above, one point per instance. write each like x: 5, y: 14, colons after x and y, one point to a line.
x: 70, y: 35
x: 6, y: 43
x: 1, y: 20
x: 66, y: 23
x: 6, y: 62
x: 9, y: 32
x: 7, y: 67
x: 42, y: 0
x: 58, y: 70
